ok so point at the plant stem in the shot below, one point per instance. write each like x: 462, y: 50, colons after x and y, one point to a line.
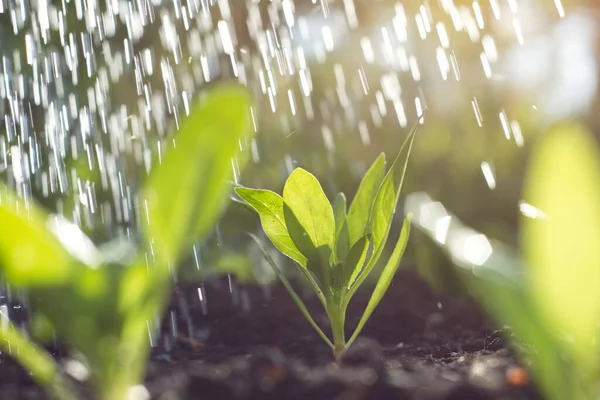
x: 124, y: 367
x: 45, y: 370
x: 114, y: 391
x: 337, y: 317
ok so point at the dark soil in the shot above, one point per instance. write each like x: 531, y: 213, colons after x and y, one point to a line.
x: 249, y: 342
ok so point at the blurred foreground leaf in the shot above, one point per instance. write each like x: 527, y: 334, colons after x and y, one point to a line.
x: 100, y: 301
x: 563, y: 250
x: 29, y: 253
x: 552, y: 302
x: 187, y: 192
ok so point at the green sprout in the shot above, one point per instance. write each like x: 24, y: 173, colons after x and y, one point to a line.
x: 335, y: 248
x: 101, y: 301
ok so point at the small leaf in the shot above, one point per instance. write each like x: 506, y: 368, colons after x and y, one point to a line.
x: 269, y: 206
x: 384, y: 207
x: 187, y: 193
x: 311, y: 210
x: 318, y: 258
x: 386, y: 199
x: 562, y: 250
x: 41, y: 366
x: 360, y: 209
x: 29, y: 253
x: 135, y: 282
x: 341, y: 228
x: 385, y: 279
x: 355, y: 260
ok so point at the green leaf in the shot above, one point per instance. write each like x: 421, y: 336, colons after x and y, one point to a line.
x: 269, y: 206
x: 292, y: 292
x: 360, y: 209
x: 318, y: 258
x: 186, y: 194
x: 355, y: 260
x: 384, y: 207
x: 342, y: 242
x: 308, y: 215
x: 385, y: 279
x: 562, y: 250
x: 30, y: 254
x: 40, y: 364
x: 387, y: 197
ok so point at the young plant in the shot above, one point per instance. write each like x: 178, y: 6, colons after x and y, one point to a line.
x: 334, y: 248
x: 103, y: 301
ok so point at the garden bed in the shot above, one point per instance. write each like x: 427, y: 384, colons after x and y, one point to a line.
x: 253, y: 343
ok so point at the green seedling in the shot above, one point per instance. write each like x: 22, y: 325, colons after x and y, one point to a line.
x: 550, y: 296
x: 335, y: 248
x: 102, y: 301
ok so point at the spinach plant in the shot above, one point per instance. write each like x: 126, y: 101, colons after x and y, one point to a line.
x: 334, y: 247
x: 102, y: 301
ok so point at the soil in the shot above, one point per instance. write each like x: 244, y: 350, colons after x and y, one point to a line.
x: 251, y: 342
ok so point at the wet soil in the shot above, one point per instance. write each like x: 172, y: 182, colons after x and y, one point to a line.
x: 249, y: 342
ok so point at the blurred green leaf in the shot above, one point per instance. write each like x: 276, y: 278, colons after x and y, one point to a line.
x: 99, y: 301
x: 41, y: 328
x: 269, y: 207
x: 360, y: 210
x: 563, y: 250
x: 186, y: 194
x: 133, y: 286
x: 30, y: 255
x: 236, y: 264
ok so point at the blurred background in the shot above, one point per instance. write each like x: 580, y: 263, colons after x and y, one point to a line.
x: 92, y: 90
